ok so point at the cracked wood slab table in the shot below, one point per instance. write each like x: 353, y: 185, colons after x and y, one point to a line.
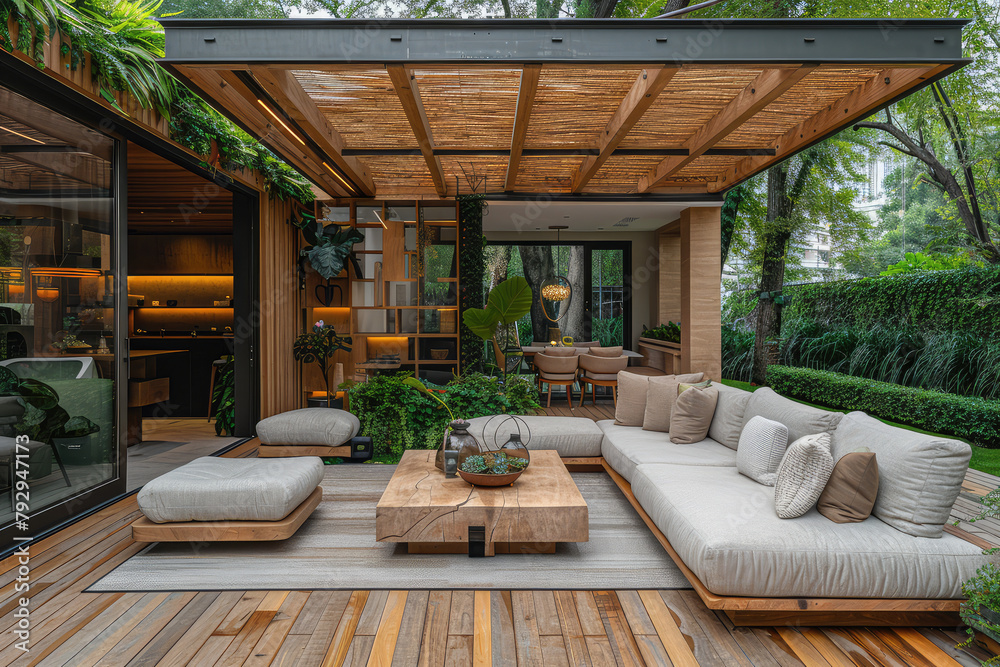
x: 437, y: 514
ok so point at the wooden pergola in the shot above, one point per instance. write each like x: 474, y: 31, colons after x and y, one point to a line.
x: 429, y: 108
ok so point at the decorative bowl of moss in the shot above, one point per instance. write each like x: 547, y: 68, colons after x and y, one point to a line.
x: 492, y: 468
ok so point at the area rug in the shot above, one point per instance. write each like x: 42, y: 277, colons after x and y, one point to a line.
x: 336, y: 549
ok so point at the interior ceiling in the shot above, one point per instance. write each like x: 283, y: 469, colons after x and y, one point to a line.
x: 165, y: 198
x: 590, y: 217
x: 503, y: 107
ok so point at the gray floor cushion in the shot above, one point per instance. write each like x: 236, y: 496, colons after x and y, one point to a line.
x: 725, y: 528
x: 570, y: 436
x: 216, y: 489
x: 626, y: 447
x: 309, y: 426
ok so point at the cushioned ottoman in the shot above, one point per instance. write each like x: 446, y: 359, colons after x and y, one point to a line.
x: 216, y: 499
x: 307, y: 432
x: 572, y: 437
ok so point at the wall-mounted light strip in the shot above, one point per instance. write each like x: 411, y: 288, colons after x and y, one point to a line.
x: 379, y: 217
x: 23, y: 136
x: 342, y: 180
x: 280, y: 122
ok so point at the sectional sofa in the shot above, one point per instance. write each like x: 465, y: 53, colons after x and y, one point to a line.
x: 902, y: 566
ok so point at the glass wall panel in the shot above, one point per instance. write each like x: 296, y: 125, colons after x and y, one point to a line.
x: 57, y: 304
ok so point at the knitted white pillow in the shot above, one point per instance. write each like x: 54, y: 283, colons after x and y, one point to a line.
x: 762, y: 444
x: 803, y: 475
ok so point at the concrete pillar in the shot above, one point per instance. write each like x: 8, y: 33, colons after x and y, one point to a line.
x: 701, y: 302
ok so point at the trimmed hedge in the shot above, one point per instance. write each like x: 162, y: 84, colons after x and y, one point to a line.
x: 963, y: 300
x: 975, y: 420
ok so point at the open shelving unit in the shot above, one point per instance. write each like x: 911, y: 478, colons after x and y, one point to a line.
x: 402, y: 311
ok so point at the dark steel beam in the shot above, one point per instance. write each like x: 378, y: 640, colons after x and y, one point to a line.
x: 516, y: 41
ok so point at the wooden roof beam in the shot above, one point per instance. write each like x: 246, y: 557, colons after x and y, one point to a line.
x: 88, y: 169
x: 768, y: 86
x: 640, y: 97
x: 857, y: 104
x: 525, y: 101
x: 296, y: 102
x: 406, y: 89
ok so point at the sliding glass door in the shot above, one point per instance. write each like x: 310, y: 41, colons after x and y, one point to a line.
x: 596, y: 274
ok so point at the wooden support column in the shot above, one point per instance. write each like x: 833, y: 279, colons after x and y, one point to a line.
x: 668, y: 301
x: 701, y: 300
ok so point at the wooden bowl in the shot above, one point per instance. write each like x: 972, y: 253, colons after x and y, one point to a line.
x: 439, y: 354
x: 479, y: 479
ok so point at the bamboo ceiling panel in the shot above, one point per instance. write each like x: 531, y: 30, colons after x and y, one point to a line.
x: 706, y: 167
x: 691, y: 99
x: 400, y: 174
x: 574, y: 104
x: 472, y: 108
x: 621, y: 173
x: 362, y: 106
x: 475, y: 174
x: 547, y: 173
x: 818, y: 90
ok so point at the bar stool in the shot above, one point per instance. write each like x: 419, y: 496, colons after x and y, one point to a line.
x: 216, y: 365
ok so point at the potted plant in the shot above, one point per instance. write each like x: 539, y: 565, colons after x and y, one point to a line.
x: 318, y: 346
x: 329, y: 246
x: 497, y: 322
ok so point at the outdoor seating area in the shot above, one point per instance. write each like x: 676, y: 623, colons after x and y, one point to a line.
x: 283, y: 310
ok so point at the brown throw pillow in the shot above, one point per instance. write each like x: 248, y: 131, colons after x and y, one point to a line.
x: 660, y: 399
x: 850, y: 494
x: 692, y: 415
x: 606, y: 351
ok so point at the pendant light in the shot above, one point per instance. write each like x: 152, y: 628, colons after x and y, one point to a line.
x: 556, y: 292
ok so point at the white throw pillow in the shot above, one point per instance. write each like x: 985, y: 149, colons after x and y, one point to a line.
x: 762, y: 445
x: 802, y: 475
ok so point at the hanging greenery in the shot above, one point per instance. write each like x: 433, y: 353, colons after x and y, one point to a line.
x: 472, y: 267
x: 124, y: 41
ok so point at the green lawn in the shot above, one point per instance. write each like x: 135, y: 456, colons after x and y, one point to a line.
x: 985, y: 460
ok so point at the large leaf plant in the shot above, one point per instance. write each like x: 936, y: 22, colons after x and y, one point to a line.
x: 330, y: 246
x: 508, y: 302
x: 43, y: 418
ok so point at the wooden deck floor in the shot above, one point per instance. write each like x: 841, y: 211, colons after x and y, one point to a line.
x: 415, y: 627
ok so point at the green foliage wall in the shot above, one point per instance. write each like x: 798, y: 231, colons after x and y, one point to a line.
x: 471, y: 246
x: 398, y: 418
x: 973, y: 419
x: 966, y: 301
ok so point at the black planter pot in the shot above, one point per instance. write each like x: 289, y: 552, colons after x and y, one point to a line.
x: 322, y: 403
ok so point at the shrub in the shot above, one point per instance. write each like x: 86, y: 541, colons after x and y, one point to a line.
x: 976, y: 420
x: 398, y: 418
x: 737, y: 353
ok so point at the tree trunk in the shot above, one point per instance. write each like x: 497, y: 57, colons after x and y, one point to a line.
x: 537, y: 263
x: 730, y: 214
x: 775, y: 241
x: 573, y: 323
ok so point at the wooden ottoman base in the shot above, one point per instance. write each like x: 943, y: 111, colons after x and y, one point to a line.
x: 145, y: 530
x: 285, y: 451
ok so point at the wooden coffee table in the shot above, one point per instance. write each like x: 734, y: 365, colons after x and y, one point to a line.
x: 436, y: 514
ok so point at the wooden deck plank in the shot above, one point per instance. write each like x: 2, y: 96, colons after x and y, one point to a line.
x: 200, y: 631
x: 434, y: 640
x: 170, y: 635
x: 340, y: 644
x: 504, y: 648
x: 482, y: 655
x: 528, y: 644
x: 267, y: 647
x: 411, y: 628
x: 667, y: 629
x: 461, y: 620
x: 705, y: 651
x: 315, y: 650
x: 388, y: 630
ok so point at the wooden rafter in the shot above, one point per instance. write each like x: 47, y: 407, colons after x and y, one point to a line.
x: 82, y: 168
x: 525, y: 100
x: 640, y: 97
x: 295, y: 101
x: 856, y: 105
x: 768, y: 86
x: 406, y: 89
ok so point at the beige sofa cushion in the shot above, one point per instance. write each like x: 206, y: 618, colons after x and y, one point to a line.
x: 216, y: 489
x: 625, y: 447
x: 724, y: 527
x: 309, y: 426
x: 798, y: 418
x: 920, y: 475
x: 802, y: 475
x: 727, y: 424
x: 850, y: 493
x: 661, y: 395
x: 570, y: 436
x: 692, y: 413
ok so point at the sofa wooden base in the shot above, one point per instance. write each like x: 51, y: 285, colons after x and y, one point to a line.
x: 145, y: 530
x: 285, y: 451
x: 747, y: 611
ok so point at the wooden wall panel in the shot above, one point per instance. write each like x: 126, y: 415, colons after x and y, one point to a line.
x: 668, y: 301
x: 279, y: 309
x: 701, y: 297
